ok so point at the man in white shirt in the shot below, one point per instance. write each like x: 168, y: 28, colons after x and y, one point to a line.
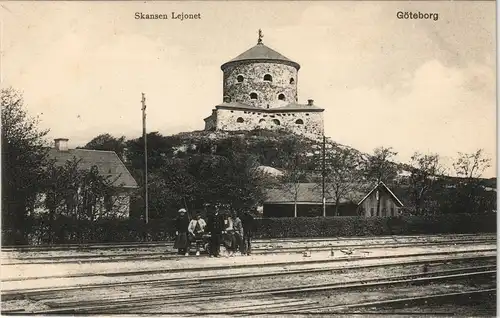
x: 196, y: 229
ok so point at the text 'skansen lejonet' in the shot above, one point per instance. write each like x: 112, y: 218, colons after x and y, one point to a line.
x: 164, y: 16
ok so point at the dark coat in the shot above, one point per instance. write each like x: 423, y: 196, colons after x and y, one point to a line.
x: 248, y: 224
x: 215, y: 224
x: 182, y: 224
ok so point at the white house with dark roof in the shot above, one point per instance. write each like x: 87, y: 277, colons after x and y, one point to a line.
x: 108, y: 165
x: 260, y: 91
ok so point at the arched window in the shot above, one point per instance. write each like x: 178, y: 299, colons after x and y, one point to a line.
x: 239, y: 120
x: 240, y: 78
x: 276, y: 122
x: 292, y: 81
x: 281, y: 96
x: 268, y: 78
x: 262, y: 121
x: 253, y: 96
x: 299, y: 122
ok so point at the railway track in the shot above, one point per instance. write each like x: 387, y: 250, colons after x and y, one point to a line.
x: 108, y: 246
x: 262, y: 250
x: 174, y: 298
x: 445, y: 261
x: 256, y: 265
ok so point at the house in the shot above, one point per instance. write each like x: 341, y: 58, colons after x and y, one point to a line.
x: 279, y: 202
x: 109, y: 165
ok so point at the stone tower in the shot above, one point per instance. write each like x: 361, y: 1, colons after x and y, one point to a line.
x: 261, y: 77
x: 260, y: 91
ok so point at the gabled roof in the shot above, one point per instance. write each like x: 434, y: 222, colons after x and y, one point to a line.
x: 261, y: 52
x: 107, y: 162
x: 308, y: 193
x: 386, y: 188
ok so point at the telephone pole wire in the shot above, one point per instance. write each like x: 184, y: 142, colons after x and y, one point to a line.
x: 144, y: 136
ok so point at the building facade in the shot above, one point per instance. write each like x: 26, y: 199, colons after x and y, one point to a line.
x: 108, y: 165
x: 260, y: 91
x: 281, y: 201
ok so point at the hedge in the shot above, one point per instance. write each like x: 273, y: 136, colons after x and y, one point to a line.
x: 68, y: 231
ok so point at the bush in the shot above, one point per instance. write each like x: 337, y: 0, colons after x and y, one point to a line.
x: 70, y: 231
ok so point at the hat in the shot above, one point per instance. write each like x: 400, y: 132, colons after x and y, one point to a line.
x: 182, y: 210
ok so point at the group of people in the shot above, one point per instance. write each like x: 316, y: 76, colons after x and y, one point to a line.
x: 234, y: 231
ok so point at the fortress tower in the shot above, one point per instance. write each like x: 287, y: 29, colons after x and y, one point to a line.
x: 260, y: 91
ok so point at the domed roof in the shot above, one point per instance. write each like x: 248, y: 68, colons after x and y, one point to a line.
x: 261, y: 52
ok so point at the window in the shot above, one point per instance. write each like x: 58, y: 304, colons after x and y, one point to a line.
x: 292, y: 81
x: 392, y: 211
x: 276, y: 122
x: 299, y: 122
x: 239, y: 120
x: 281, y: 96
x: 240, y: 78
x: 372, y: 210
x: 268, y: 78
x: 262, y: 121
x: 253, y: 96
x: 307, y: 114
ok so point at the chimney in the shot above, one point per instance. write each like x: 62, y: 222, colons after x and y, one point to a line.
x: 310, y: 102
x: 61, y: 144
x: 227, y: 99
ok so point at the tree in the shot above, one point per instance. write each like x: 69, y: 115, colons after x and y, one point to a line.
x: 24, y: 151
x: 294, y: 174
x: 343, y: 175
x: 109, y: 143
x: 425, y: 171
x: 470, y: 167
x: 380, y: 168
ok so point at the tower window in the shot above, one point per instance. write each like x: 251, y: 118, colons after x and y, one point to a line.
x: 276, y: 122
x: 292, y: 81
x: 281, y: 96
x: 299, y: 122
x: 239, y: 120
x: 253, y: 96
x: 268, y: 78
x: 240, y: 78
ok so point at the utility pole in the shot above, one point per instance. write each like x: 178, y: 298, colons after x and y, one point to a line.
x: 323, y: 176
x: 144, y: 136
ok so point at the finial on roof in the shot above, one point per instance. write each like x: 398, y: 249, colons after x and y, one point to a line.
x: 260, y: 37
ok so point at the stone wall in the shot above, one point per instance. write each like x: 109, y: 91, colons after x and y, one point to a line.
x: 253, y: 82
x: 305, y: 123
x: 210, y: 122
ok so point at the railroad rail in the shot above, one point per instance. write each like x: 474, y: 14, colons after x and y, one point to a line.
x: 120, y: 245
x: 14, y: 294
x: 262, y: 250
x: 179, y: 298
x: 253, y: 265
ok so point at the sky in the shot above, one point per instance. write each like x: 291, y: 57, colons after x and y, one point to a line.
x: 414, y: 85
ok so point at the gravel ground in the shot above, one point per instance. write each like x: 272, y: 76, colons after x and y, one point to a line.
x: 258, y: 244
x: 98, y: 271
x: 49, y: 270
x: 162, y: 290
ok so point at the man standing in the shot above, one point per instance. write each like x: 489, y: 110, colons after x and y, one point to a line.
x: 239, y: 233
x: 215, y: 227
x: 248, y: 231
